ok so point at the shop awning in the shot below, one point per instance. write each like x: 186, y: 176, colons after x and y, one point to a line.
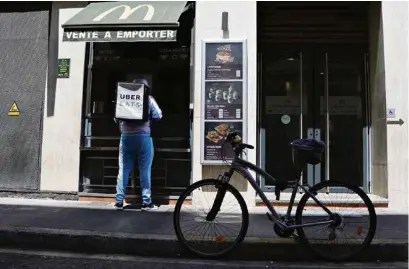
x: 126, y: 22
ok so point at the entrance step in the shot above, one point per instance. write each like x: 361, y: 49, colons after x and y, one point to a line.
x: 377, y: 201
x: 132, y: 199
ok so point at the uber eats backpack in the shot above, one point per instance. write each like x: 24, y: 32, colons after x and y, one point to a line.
x: 132, y: 102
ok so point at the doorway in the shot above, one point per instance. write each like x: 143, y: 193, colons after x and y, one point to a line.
x: 319, y: 93
x: 166, y: 66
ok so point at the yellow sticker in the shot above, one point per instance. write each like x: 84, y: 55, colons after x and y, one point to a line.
x: 14, y: 111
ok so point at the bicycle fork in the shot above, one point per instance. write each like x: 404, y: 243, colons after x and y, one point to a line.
x: 221, y: 193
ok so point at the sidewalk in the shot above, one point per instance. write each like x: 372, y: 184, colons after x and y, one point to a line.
x: 96, y: 227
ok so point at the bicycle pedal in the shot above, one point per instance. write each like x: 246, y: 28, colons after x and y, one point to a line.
x: 269, y: 217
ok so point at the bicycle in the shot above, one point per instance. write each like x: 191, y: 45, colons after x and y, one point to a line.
x: 304, y: 151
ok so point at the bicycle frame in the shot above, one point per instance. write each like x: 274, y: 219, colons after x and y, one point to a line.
x: 241, y: 166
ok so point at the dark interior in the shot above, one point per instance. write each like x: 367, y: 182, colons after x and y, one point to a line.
x: 166, y: 65
x: 167, y: 68
x: 298, y: 43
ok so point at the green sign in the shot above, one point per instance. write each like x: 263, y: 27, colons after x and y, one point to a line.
x: 63, y: 68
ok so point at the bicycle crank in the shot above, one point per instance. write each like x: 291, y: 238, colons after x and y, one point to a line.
x: 284, y: 233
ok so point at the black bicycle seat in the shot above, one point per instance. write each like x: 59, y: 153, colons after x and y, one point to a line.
x: 308, y: 145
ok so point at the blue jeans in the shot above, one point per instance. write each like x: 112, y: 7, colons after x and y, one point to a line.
x: 134, y: 146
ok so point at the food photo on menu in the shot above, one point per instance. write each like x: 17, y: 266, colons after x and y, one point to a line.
x: 224, y: 55
x: 224, y: 61
x: 215, y: 133
x: 224, y: 92
x: 214, y: 136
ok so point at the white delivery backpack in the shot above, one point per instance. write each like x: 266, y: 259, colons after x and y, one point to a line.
x: 132, y: 102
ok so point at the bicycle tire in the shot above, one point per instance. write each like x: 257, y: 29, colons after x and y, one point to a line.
x: 372, y: 219
x: 243, y: 207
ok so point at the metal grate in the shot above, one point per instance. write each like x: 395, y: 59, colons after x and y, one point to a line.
x: 313, y: 22
x: 100, y: 174
x: 23, y: 67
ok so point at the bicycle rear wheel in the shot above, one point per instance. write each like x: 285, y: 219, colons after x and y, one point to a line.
x: 355, y: 221
x: 215, y: 238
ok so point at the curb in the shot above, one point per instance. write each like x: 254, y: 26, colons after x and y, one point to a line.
x: 256, y: 249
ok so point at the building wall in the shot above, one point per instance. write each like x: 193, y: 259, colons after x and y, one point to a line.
x: 23, y: 67
x: 242, y: 25
x: 388, y: 66
x: 388, y: 79
x: 395, y: 47
x: 378, y: 128
x: 60, y: 162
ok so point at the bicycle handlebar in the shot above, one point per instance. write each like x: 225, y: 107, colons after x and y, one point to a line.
x: 231, y: 139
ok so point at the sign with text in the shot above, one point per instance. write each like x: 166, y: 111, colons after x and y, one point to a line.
x: 224, y: 96
x: 120, y: 35
x: 63, y: 69
x: 342, y: 105
x: 131, y: 101
x: 215, y: 148
x: 224, y: 61
x: 224, y: 100
x: 279, y: 105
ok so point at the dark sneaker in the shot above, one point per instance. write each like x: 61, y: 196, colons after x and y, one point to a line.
x: 149, y: 207
x: 119, y: 206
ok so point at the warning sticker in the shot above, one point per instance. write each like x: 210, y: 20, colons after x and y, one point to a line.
x: 14, y: 111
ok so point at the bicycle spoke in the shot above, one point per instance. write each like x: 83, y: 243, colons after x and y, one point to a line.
x: 352, y: 230
x: 210, y: 238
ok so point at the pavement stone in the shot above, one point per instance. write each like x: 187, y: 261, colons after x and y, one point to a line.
x: 96, y: 227
x: 16, y: 259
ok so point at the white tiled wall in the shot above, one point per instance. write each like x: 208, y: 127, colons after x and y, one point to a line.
x: 395, y: 42
x: 62, y: 130
x: 242, y: 25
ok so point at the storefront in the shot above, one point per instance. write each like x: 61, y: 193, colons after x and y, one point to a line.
x: 287, y: 70
x: 125, y: 42
x: 315, y: 85
x: 316, y: 79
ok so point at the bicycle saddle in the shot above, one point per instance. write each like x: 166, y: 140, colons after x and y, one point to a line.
x: 308, y: 145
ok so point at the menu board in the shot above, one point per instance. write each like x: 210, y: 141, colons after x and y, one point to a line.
x: 223, y: 98
x: 214, y: 148
x: 224, y: 61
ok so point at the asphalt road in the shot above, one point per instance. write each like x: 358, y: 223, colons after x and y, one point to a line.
x: 20, y: 259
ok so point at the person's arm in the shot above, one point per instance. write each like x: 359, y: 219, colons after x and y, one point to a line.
x: 155, y: 111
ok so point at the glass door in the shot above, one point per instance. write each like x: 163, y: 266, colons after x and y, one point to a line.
x: 282, y: 105
x: 342, y: 125
x: 319, y: 95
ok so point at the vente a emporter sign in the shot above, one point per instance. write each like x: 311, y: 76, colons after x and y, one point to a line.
x: 112, y: 36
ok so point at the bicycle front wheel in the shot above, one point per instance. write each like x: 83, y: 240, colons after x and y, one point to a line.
x: 354, y: 221
x: 214, y: 238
